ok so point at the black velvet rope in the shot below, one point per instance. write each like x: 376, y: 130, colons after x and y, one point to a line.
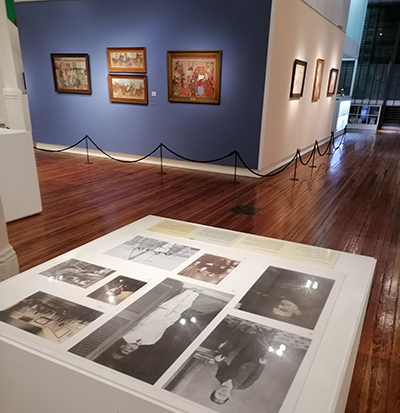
x: 315, y: 149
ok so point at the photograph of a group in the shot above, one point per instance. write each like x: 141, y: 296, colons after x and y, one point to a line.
x: 49, y: 317
x: 117, y: 290
x: 241, y: 366
x: 78, y: 273
x: 289, y: 296
x: 144, y: 339
x: 210, y: 268
x: 154, y: 252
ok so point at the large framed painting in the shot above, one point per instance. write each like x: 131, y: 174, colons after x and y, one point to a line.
x: 194, y: 76
x: 319, y: 73
x: 71, y: 73
x: 126, y: 59
x: 333, y: 78
x: 298, y: 79
x: 128, y: 88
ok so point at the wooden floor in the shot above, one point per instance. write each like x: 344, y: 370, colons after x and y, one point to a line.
x: 349, y: 203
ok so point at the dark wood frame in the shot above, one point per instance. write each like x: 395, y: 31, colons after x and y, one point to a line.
x: 195, y: 55
x: 332, y: 92
x: 316, y: 93
x: 126, y: 100
x: 122, y: 69
x: 66, y: 56
x: 296, y: 64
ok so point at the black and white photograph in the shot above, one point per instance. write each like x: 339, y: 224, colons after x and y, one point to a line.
x: 49, y: 317
x: 117, y: 290
x: 289, y: 296
x: 154, y: 252
x: 240, y: 367
x: 145, y: 338
x: 210, y: 268
x: 78, y: 273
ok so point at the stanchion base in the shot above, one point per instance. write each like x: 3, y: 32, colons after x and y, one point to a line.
x: 161, y: 173
x: 294, y: 179
x: 88, y: 163
x: 313, y: 166
x: 235, y: 182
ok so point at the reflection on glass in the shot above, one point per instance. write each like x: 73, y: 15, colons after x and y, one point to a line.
x: 182, y: 321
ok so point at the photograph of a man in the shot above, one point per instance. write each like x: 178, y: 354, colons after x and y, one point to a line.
x: 241, y: 366
x: 244, y: 369
x: 289, y: 296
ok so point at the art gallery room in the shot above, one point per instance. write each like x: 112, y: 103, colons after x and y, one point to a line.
x: 199, y: 206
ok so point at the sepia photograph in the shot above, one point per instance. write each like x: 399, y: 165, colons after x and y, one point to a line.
x: 210, y: 268
x: 78, y: 273
x: 154, y: 252
x: 117, y: 290
x: 144, y: 339
x: 289, y: 296
x: 241, y: 366
x: 49, y: 317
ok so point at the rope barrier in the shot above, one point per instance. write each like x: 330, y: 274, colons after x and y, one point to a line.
x: 316, y: 149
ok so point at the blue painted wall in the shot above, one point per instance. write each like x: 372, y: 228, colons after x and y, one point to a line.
x: 239, y: 28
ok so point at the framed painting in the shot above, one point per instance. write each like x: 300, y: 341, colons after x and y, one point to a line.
x: 298, y: 79
x: 333, y: 78
x: 128, y: 88
x: 71, y: 73
x: 319, y: 73
x: 194, y: 76
x: 126, y: 59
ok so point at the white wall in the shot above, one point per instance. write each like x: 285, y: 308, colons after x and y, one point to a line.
x: 336, y: 11
x: 298, y: 32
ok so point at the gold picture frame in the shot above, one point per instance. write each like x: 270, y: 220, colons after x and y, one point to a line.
x: 126, y: 59
x: 128, y: 89
x: 194, y: 76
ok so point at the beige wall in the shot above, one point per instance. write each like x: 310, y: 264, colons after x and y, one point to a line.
x: 297, y: 32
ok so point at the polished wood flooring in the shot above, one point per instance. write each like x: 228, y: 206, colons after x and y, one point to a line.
x: 350, y: 203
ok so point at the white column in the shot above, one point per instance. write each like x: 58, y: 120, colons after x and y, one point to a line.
x: 11, y: 92
x: 8, y: 257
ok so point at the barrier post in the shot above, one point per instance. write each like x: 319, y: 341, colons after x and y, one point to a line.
x: 234, y: 172
x: 331, y: 143
x: 87, y: 151
x: 295, y: 167
x: 161, y: 164
x: 313, y: 158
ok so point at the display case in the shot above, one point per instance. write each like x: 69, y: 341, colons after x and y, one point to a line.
x: 364, y: 117
x: 169, y: 316
x: 341, y: 114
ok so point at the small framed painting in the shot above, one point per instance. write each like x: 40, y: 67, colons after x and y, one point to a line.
x: 298, y: 79
x: 128, y: 88
x: 71, y: 73
x: 126, y: 59
x: 333, y: 78
x: 319, y: 73
x: 194, y: 76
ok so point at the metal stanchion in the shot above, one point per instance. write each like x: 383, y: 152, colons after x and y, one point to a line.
x: 87, y: 151
x: 295, y: 167
x: 234, y: 174
x: 161, y: 171
x: 313, y: 158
